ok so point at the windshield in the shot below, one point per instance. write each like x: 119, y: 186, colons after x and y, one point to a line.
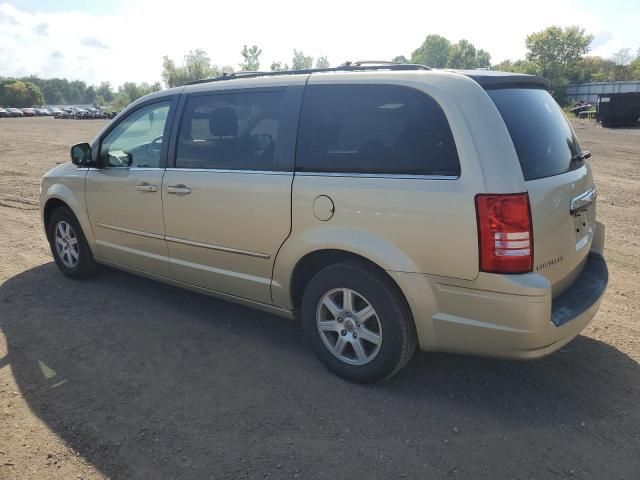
x: 542, y: 136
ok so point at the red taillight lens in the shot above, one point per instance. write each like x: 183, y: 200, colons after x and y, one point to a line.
x: 505, y: 236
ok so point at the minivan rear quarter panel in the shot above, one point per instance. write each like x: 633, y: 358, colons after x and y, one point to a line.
x: 410, y: 224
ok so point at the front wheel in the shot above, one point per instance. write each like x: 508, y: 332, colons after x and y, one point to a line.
x: 69, y: 245
x: 357, y: 321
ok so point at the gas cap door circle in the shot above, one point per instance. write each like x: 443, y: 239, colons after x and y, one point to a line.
x: 323, y: 208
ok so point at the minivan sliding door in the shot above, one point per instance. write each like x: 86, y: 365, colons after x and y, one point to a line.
x: 227, y: 199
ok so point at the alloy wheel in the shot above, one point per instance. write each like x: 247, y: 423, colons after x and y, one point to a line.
x: 349, y: 326
x: 66, y: 243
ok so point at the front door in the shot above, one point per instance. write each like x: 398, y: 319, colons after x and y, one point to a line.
x: 124, y: 197
x: 227, y: 202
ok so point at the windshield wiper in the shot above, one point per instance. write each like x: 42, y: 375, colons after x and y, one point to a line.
x: 581, y: 156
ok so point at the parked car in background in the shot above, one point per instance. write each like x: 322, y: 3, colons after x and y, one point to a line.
x: 29, y: 112
x: 4, y: 113
x: 64, y: 113
x: 385, y: 207
x: 15, y: 112
x: 55, y: 111
x: 43, y: 111
x: 76, y: 113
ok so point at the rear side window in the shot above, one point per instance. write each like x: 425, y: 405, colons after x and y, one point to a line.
x: 236, y: 131
x: 379, y: 129
x: 543, y: 138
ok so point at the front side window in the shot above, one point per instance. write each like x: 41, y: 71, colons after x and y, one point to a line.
x: 235, y: 131
x: 137, y: 140
x: 381, y: 129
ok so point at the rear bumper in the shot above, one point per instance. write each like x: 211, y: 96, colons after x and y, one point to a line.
x: 584, y: 294
x: 520, y: 320
x: 572, y: 311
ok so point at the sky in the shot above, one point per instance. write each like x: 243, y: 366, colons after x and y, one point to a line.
x: 125, y: 40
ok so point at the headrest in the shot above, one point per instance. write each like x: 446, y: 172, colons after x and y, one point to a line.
x: 223, y: 122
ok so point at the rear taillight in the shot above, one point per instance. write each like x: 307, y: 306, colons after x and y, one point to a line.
x: 505, y: 236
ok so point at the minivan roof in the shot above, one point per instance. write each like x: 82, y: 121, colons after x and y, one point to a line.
x: 485, y: 78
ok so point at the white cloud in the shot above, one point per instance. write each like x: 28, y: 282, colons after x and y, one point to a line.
x: 41, y: 29
x: 130, y: 45
x: 93, y: 42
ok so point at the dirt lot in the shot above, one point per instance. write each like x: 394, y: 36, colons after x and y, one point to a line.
x: 125, y: 378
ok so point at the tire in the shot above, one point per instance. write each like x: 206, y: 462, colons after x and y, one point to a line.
x: 78, y: 260
x: 387, y: 337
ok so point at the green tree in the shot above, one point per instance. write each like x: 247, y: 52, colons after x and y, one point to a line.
x: 597, y: 69
x: 519, y: 66
x: 279, y: 67
x: 90, y: 95
x: 462, y: 55
x: 75, y: 95
x: 400, y: 59
x: 434, y: 52
x: 196, y: 66
x: 557, y: 52
x: 52, y: 93
x: 100, y: 101
x: 300, y: 61
x: 16, y: 93
x: 251, y: 59
x: 56, y: 90
x: 322, y: 62
x: 634, y: 68
x: 483, y: 59
x: 80, y: 91
x: 622, y: 56
x: 130, y: 91
x: 104, y: 90
x: 172, y: 76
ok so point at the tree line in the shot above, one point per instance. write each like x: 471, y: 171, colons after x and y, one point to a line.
x: 35, y: 91
x: 556, y: 53
x: 560, y: 54
x: 197, y: 65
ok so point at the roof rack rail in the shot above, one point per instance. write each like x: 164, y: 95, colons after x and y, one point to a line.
x: 372, y: 62
x: 364, y: 65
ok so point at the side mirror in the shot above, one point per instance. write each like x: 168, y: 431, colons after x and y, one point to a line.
x: 81, y: 155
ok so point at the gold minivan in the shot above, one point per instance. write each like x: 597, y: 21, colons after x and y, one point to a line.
x: 385, y: 206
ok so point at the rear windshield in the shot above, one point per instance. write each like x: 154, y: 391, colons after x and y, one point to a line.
x: 543, y: 138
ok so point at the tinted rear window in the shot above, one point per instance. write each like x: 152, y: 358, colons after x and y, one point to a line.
x: 543, y: 138
x: 380, y: 129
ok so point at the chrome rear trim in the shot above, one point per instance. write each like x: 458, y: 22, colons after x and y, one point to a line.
x: 583, y: 200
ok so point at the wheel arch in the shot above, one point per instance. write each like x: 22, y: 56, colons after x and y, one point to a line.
x: 314, y: 261
x: 49, y: 207
x: 55, y: 201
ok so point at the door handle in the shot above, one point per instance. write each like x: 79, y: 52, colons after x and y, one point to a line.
x: 146, y: 187
x: 179, y: 189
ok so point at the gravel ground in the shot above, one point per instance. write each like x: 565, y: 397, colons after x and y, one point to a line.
x: 120, y: 377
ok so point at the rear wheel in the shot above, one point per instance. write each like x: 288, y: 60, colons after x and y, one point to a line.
x: 69, y: 245
x: 358, y: 322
